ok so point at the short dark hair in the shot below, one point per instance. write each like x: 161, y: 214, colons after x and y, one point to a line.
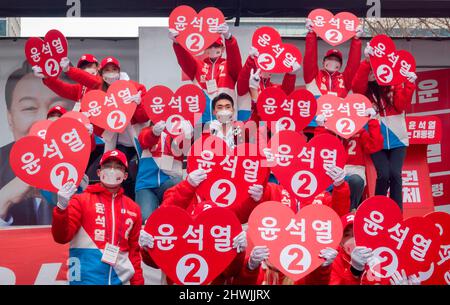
x: 222, y: 96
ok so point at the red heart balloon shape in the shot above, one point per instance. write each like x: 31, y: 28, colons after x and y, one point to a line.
x: 193, y: 251
x: 300, y: 167
x: 274, y: 55
x: 396, y: 243
x: 345, y: 117
x: 440, y: 270
x: 294, y: 240
x: 390, y: 66
x: 112, y: 110
x: 51, y: 162
x: 186, y: 104
x: 334, y: 29
x: 293, y: 112
x: 47, y: 53
x: 197, y: 31
x: 230, y: 172
x: 39, y: 128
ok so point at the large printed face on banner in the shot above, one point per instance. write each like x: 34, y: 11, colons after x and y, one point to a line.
x: 294, y: 240
x: 410, y: 245
x: 197, y: 31
x: 112, y: 110
x: 301, y: 167
x: 175, y: 108
x: 230, y: 171
x: 293, y: 112
x: 345, y: 117
x: 334, y: 29
x: 51, y: 162
x: 389, y: 65
x: 193, y: 251
x: 47, y: 53
x: 274, y: 55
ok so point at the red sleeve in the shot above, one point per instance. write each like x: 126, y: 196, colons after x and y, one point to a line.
x: 403, y: 95
x: 147, y: 259
x: 179, y: 195
x: 340, y: 199
x: 354, y: 57
x: 359, y: 83
x: 186, y: 61
x: 242, y: 86
x: 342, y: 275
x: 372, y: 140
x: 244, y: 209
x: 134, y: 253
x: 66, y: 223
x: 64, y: 90
x: 234, y: 60
x: 320, y: 276
x: 246, y: 276
x: 310, y: 67
x: 147, y: 139
x: 139, y: 116
x: 288, y: 84
x: 98, y: 131
x: 84, y: 78
x: 235, y: 267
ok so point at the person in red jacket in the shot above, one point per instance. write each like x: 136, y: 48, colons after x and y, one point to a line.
x: 390, y: 102
x: 214, y: 74
x: 102, y: 226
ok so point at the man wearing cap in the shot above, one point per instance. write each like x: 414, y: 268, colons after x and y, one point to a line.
x: 214, y: 74
x: 102, y: 226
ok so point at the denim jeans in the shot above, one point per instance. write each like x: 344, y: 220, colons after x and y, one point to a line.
x: 356, y: 184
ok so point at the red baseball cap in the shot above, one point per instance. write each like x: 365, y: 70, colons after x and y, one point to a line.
x: 114, y: 154
x: 109, y: 60
x: 219, y: 41
x: 56, y: 109
x: 334, y: 52
x: 347, y: 220
x: 203, y: 206
x: 87, y: 58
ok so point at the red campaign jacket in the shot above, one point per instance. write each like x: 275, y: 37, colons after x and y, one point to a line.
x: 320, y: 82
x: 224, y: 71
x: 77, y: 224
x: 157, y: 145
x: 340, y: 270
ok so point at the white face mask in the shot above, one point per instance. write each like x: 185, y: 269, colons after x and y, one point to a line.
x: 331, y: 65
x: 224, y: 116
x: 111, y: 77
x: 214, y: 53
x: 92, y: 71
x: 111, y: 177
x: 349, y: 245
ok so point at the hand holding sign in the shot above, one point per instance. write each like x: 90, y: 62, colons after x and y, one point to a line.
x: 196, y: 31
x: 112, y: 110
x: 193, y: 251
x: 274, y: 56
x: 390, y: 66
x: 294, y: 241
x: 51, y: 162
x: 161, y: 104
x: 345, y: 117
x: 47, y: 53
x: 334, y: 29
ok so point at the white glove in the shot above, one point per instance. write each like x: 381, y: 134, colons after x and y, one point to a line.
x: 256, y: 192
x: 412, y: 77
x: 240, y: 242
x: 137, y: 98
x: 158, y: 128
x: 37, y: 71
x: 84, y: 182
x: 64, y: 194
x: 64, y: 64
x: 90, y: 128
x: 413, y: 280
x: 268, y: 154
x: 196, y: 177
x: 124, y: 76
x: 87, y: 114
x: 186, y: 129
x: 253, y: 52
x: 360, y: 256
x: 368, y: 51
x: 215, y: 126
x: 258, y: 255
x: 225, y: 30
x: 359, y: 31
x: 146, y: 240
x: 173, y: 35
x: 337, y: 174
x: 370, y: 112
x: 295, y: 67
x: 309, y: 25
x: 329, y: 254
x: 254, y: 79
x: 399, y: 278
x: 320, y: 120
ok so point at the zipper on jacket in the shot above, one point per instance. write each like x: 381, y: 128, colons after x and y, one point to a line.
x: 112, y: 232
x: 386, y: 125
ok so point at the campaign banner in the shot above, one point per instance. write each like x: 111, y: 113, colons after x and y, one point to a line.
x: 424, y: 129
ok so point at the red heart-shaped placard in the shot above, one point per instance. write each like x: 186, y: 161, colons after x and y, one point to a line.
x: 185, y: 257
x: 51, y: 162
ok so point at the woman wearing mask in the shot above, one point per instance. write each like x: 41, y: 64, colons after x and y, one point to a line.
x: 390, y: 102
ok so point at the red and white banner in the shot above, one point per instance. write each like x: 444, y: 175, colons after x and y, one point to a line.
x: 424, y: 130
